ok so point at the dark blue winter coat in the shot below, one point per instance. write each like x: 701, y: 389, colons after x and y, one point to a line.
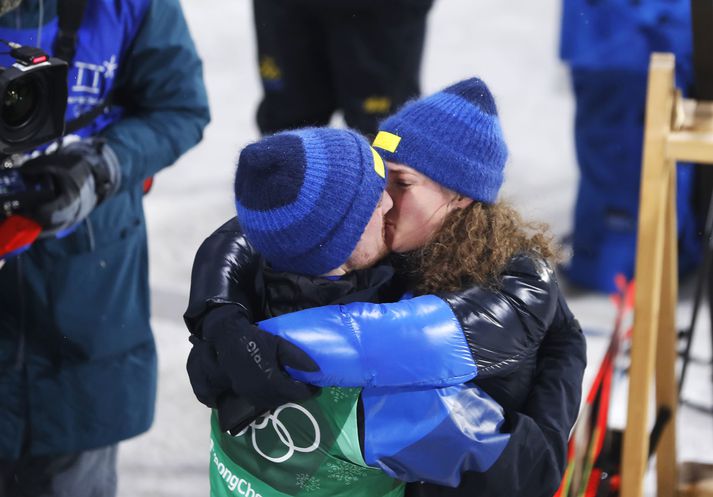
x: 77, y: 356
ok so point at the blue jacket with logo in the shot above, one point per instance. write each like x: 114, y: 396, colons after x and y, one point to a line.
x: 77, y: 356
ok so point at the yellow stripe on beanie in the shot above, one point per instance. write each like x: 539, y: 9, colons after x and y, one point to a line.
x: 387, y: 141
x: 378, y: 163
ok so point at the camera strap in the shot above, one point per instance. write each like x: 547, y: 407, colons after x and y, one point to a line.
x: 69, y: 19
x: 88, y: 117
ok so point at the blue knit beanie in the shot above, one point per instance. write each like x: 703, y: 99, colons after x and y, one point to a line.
x: 304, y: 197
x: 453, y: 137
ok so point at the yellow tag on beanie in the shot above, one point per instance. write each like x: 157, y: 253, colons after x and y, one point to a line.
x: 378, y: 163
x: 387, y: 141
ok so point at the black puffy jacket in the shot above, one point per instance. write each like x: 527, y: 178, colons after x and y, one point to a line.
x: 534, y: 459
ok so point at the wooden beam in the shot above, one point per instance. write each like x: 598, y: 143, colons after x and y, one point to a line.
x: 666, y: 388
x: 655, y: 179
x: 692, y: 138
x: 690, y: 146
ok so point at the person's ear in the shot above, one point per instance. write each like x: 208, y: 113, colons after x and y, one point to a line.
x: 460, y: 201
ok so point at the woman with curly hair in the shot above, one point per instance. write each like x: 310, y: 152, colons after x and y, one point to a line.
x: 453, y: 238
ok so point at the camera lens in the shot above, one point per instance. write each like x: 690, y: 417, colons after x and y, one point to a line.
x: 33, y: 104
x: 19, y: 102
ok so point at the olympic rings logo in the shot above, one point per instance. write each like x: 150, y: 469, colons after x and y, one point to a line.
x: 282, y: 433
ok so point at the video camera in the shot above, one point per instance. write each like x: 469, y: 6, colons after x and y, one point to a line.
x: 33, y: 101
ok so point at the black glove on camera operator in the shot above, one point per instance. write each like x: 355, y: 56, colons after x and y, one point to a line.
x: 238, y: 368
x: 82, y: 174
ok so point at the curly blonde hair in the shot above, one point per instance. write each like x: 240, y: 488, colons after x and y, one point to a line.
x: 474, y: 245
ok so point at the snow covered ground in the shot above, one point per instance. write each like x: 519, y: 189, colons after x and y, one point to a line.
x: 513, y: 46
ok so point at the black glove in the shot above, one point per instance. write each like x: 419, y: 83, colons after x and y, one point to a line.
x: 236, y: 413
x: 207, y: 379
x: 253, y: 359
x: 82, y: 174
x: 211, y: 387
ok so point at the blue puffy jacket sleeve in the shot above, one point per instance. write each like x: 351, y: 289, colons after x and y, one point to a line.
x: 161, y: 88
x: 415, y: 342
x: 427, y: 341
x: 433, y: 435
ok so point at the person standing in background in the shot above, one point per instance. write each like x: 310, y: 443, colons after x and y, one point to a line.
x: 607, y: 44
x: 361, y: 57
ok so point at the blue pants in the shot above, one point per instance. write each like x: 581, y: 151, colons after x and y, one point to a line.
x: 609, y: 130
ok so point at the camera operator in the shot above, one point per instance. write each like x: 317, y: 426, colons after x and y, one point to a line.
x: 77, y: 356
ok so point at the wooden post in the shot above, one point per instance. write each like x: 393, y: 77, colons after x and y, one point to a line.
x: 676, y: 130
x: 666, y: 349
x: 654, y: 198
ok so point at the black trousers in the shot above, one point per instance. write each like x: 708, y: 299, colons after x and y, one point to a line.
x: 317, y: 57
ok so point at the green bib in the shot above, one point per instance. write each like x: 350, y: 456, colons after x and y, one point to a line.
x: 307, y: 449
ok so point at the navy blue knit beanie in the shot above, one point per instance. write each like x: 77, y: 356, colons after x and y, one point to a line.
x: 304, y: 197
x: 453, y: 137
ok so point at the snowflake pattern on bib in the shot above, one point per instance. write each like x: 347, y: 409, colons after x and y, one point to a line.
x: 345, y: 472
x: 307, y: 483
